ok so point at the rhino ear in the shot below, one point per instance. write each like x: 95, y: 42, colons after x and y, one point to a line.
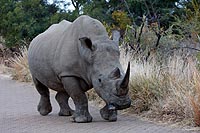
x: 86, y: 42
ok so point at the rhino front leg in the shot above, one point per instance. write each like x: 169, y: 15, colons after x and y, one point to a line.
x: 73, y: 88
x: 108, y: 112
x: 62, y: 99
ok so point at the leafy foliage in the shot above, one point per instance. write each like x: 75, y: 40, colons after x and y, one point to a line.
x: 121, y: 19
x: 190, y: 23
x: 98, y: 9
x: 23, y: 20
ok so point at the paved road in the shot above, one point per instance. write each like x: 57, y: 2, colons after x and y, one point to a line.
x: 18, y: 115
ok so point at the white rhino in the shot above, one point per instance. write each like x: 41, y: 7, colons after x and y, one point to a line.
x: 71, y: 58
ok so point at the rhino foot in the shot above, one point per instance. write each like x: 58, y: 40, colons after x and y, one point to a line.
x: 44, y: 109
x: 65, y: 112
x: 108, y: 114
x: 81, y: 118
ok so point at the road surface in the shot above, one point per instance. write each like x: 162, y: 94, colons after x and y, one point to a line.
x: 18, y: 114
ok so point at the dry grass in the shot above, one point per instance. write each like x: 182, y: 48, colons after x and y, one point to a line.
x: 92, y: 96
x: 4, y: 69
x: 195, y: 98
x: 19, y: 67
x: 169, y: 92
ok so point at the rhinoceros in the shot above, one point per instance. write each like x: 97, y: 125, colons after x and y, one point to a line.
x: 72, y: 58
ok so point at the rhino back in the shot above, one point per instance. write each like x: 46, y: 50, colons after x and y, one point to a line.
x: 55, y: 53
x: 41, y: 54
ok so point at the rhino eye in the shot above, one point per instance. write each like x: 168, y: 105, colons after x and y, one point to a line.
x: 99, y: 80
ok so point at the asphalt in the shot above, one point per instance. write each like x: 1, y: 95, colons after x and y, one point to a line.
x: 18, y: 114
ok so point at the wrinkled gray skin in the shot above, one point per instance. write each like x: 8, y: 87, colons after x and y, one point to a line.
x: 72, y: 58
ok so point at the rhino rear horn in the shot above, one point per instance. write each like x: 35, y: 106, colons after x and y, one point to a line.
x: 125, y: 81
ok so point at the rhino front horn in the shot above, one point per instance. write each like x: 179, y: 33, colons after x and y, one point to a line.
x: 125, y: 81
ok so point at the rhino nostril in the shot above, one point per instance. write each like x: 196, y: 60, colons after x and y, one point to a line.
x: 111, y: 107
x: 122, y: 91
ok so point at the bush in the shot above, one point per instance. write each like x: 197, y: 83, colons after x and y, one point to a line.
x: 19, y: 67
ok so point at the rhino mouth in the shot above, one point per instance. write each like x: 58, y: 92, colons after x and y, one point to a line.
x: 119, y: 105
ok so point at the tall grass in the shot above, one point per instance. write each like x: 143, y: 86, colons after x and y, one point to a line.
x: 195, y: 98
x: 4, y: 69
x: 19, y: 67
x: 169, y: 92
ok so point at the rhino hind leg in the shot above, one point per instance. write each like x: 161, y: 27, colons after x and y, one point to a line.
x: 73, y: 88
x: 44, y: 106
x: 62, y: 99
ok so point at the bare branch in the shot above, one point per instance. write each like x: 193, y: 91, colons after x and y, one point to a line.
x: 126, y: 4
x: 140, y: 34
x: 73, y: 3
x: 148, y: 11
x: 159, y: 35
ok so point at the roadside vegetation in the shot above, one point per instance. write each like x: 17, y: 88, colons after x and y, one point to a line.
x: 164, y: 50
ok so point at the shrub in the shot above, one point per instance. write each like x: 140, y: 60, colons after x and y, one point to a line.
x: 19, y: 67
x: 121, y: 19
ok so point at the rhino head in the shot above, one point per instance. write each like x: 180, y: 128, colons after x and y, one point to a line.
x: 107, y: 76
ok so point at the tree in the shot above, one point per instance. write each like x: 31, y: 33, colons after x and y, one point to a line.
x: 22, y: 20
x: 98, y: 9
